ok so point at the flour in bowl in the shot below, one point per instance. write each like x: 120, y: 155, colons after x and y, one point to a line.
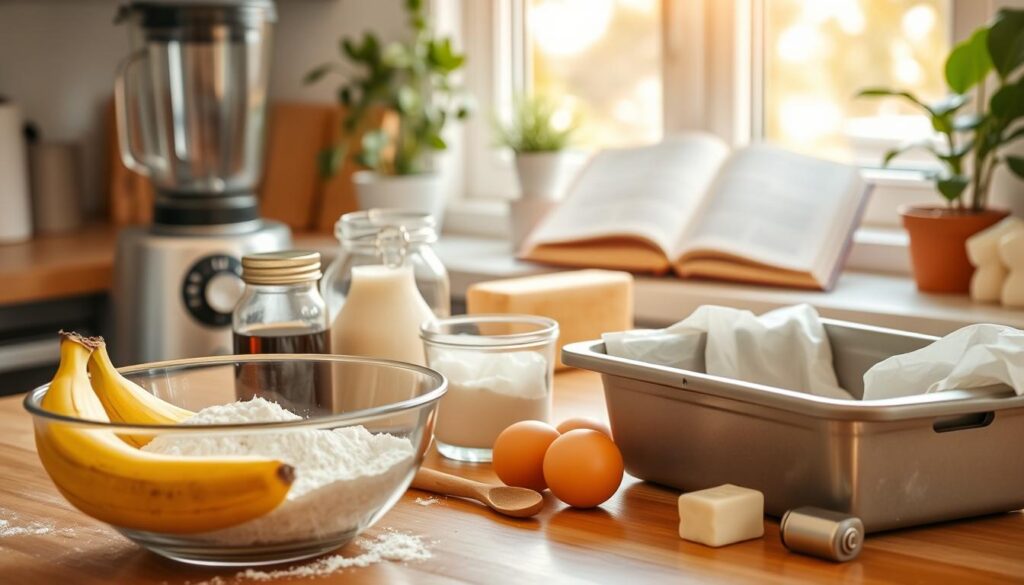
x: 342, y: 476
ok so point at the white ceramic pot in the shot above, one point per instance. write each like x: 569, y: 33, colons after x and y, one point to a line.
x: 525, y: 214
x: 420, y: 192
x: 546, y: 175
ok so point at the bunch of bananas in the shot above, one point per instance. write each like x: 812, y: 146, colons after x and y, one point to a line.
x: 109, y: 478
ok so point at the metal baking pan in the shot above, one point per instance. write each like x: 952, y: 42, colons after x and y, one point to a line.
x: 894, y: 463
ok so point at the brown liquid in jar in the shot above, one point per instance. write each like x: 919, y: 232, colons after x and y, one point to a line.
x: 302, y: 387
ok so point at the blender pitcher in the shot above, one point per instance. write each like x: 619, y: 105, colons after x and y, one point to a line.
x: 190, y: 103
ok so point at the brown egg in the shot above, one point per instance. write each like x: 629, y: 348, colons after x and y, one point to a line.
x: 519, y: 450
x: 571, y: 424
x: 583, y: 468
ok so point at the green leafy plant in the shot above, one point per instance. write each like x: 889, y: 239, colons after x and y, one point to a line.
x: 533, y: 128
x: 411, y: 81
x: 971, y: 141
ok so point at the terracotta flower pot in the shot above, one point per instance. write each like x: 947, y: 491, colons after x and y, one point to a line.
x: 938, y: 252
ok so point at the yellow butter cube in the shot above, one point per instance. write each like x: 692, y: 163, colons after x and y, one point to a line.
x: 721, y: 515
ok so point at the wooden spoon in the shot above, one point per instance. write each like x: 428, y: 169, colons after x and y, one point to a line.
x: 511, y: 501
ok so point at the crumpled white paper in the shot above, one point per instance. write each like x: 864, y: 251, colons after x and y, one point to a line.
x: 785, y: 348
x: 970, y: 357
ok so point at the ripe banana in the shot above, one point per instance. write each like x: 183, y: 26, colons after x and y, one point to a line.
x: 112, y: 481
x: 126, y: 402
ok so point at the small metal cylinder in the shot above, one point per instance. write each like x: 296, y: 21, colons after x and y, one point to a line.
x: 822, y: 533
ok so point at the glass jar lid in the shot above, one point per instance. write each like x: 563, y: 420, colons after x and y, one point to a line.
x: 285, y: 267
x: 387, y: 233
x: 363, y: 227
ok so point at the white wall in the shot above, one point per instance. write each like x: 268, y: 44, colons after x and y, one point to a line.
x: 308, y: 34
x: 57, y: 61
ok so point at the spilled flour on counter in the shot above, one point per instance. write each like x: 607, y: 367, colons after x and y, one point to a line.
x: 9, y: 527
x: 389, y: 545
x: 35, y: 528
x: 342, y: 476
x: 426, y: 502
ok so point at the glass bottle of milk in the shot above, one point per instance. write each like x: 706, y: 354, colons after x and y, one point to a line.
x: 382, y: 315
x: 387, y: 237
x: 379, y: 302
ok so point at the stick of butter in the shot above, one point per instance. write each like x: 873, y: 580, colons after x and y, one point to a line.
x: 586, y: 303
x: 721, y: 515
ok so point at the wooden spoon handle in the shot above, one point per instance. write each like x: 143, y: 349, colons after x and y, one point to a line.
x: 431, y: 480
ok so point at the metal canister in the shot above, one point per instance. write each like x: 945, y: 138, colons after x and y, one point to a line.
x: 822, y: 533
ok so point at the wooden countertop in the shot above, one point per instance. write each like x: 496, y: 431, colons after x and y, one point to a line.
x: 52, y: 267
x: 631, y: 538
x: 73, y: 264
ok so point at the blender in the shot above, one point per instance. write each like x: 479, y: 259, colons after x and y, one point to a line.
x: 190, y: 102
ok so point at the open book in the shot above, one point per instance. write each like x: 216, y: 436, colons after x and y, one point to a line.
x: 760, y: 214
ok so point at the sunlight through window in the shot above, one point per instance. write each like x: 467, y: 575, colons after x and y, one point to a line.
x: 602, y: 58
x: 818, y: 54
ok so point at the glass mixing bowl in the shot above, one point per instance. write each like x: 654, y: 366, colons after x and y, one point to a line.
x: 327, y: 392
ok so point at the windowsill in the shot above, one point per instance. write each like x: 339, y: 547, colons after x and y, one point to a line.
x: 863, y: 297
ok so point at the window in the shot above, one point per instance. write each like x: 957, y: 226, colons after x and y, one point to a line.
x: 606, y: 66
x: 816, y: 56
x: 781, y: 70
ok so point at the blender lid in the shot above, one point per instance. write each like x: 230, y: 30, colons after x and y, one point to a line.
x: 171, y: 13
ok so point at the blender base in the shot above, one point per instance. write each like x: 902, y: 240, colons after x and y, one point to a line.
x: 175, y: 287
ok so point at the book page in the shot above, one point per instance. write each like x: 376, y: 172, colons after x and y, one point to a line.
x: 647, y: 193
x: 775, y: 207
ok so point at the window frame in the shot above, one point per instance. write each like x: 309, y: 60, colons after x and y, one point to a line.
x: 711, y: 78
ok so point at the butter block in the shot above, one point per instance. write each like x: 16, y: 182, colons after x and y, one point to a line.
x: 721, y: 515
x: 586, y: 303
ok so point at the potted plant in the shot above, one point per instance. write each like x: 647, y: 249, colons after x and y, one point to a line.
x: 969, y: 152
x: 540, y: 145
x: 399, y: 103
x: 544, y: 163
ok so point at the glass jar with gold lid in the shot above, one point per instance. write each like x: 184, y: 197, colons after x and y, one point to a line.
x: 281, y: 311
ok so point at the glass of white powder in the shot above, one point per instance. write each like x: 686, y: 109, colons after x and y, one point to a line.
x: 500, y: 370
x: 352, y: 448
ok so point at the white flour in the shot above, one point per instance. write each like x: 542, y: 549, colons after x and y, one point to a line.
x: 518, y: 374
x: 10, y: 526
x: 488, y: 392
x: 390, y: 545
x: 342, y: 476
x: 33, y: 528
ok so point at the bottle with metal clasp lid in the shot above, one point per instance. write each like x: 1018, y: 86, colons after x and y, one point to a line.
x: 386, y: 283
x: 388, y: 237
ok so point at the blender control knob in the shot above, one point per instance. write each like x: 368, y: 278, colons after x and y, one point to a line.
x: 211, y: 288
x: 223, y: 291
